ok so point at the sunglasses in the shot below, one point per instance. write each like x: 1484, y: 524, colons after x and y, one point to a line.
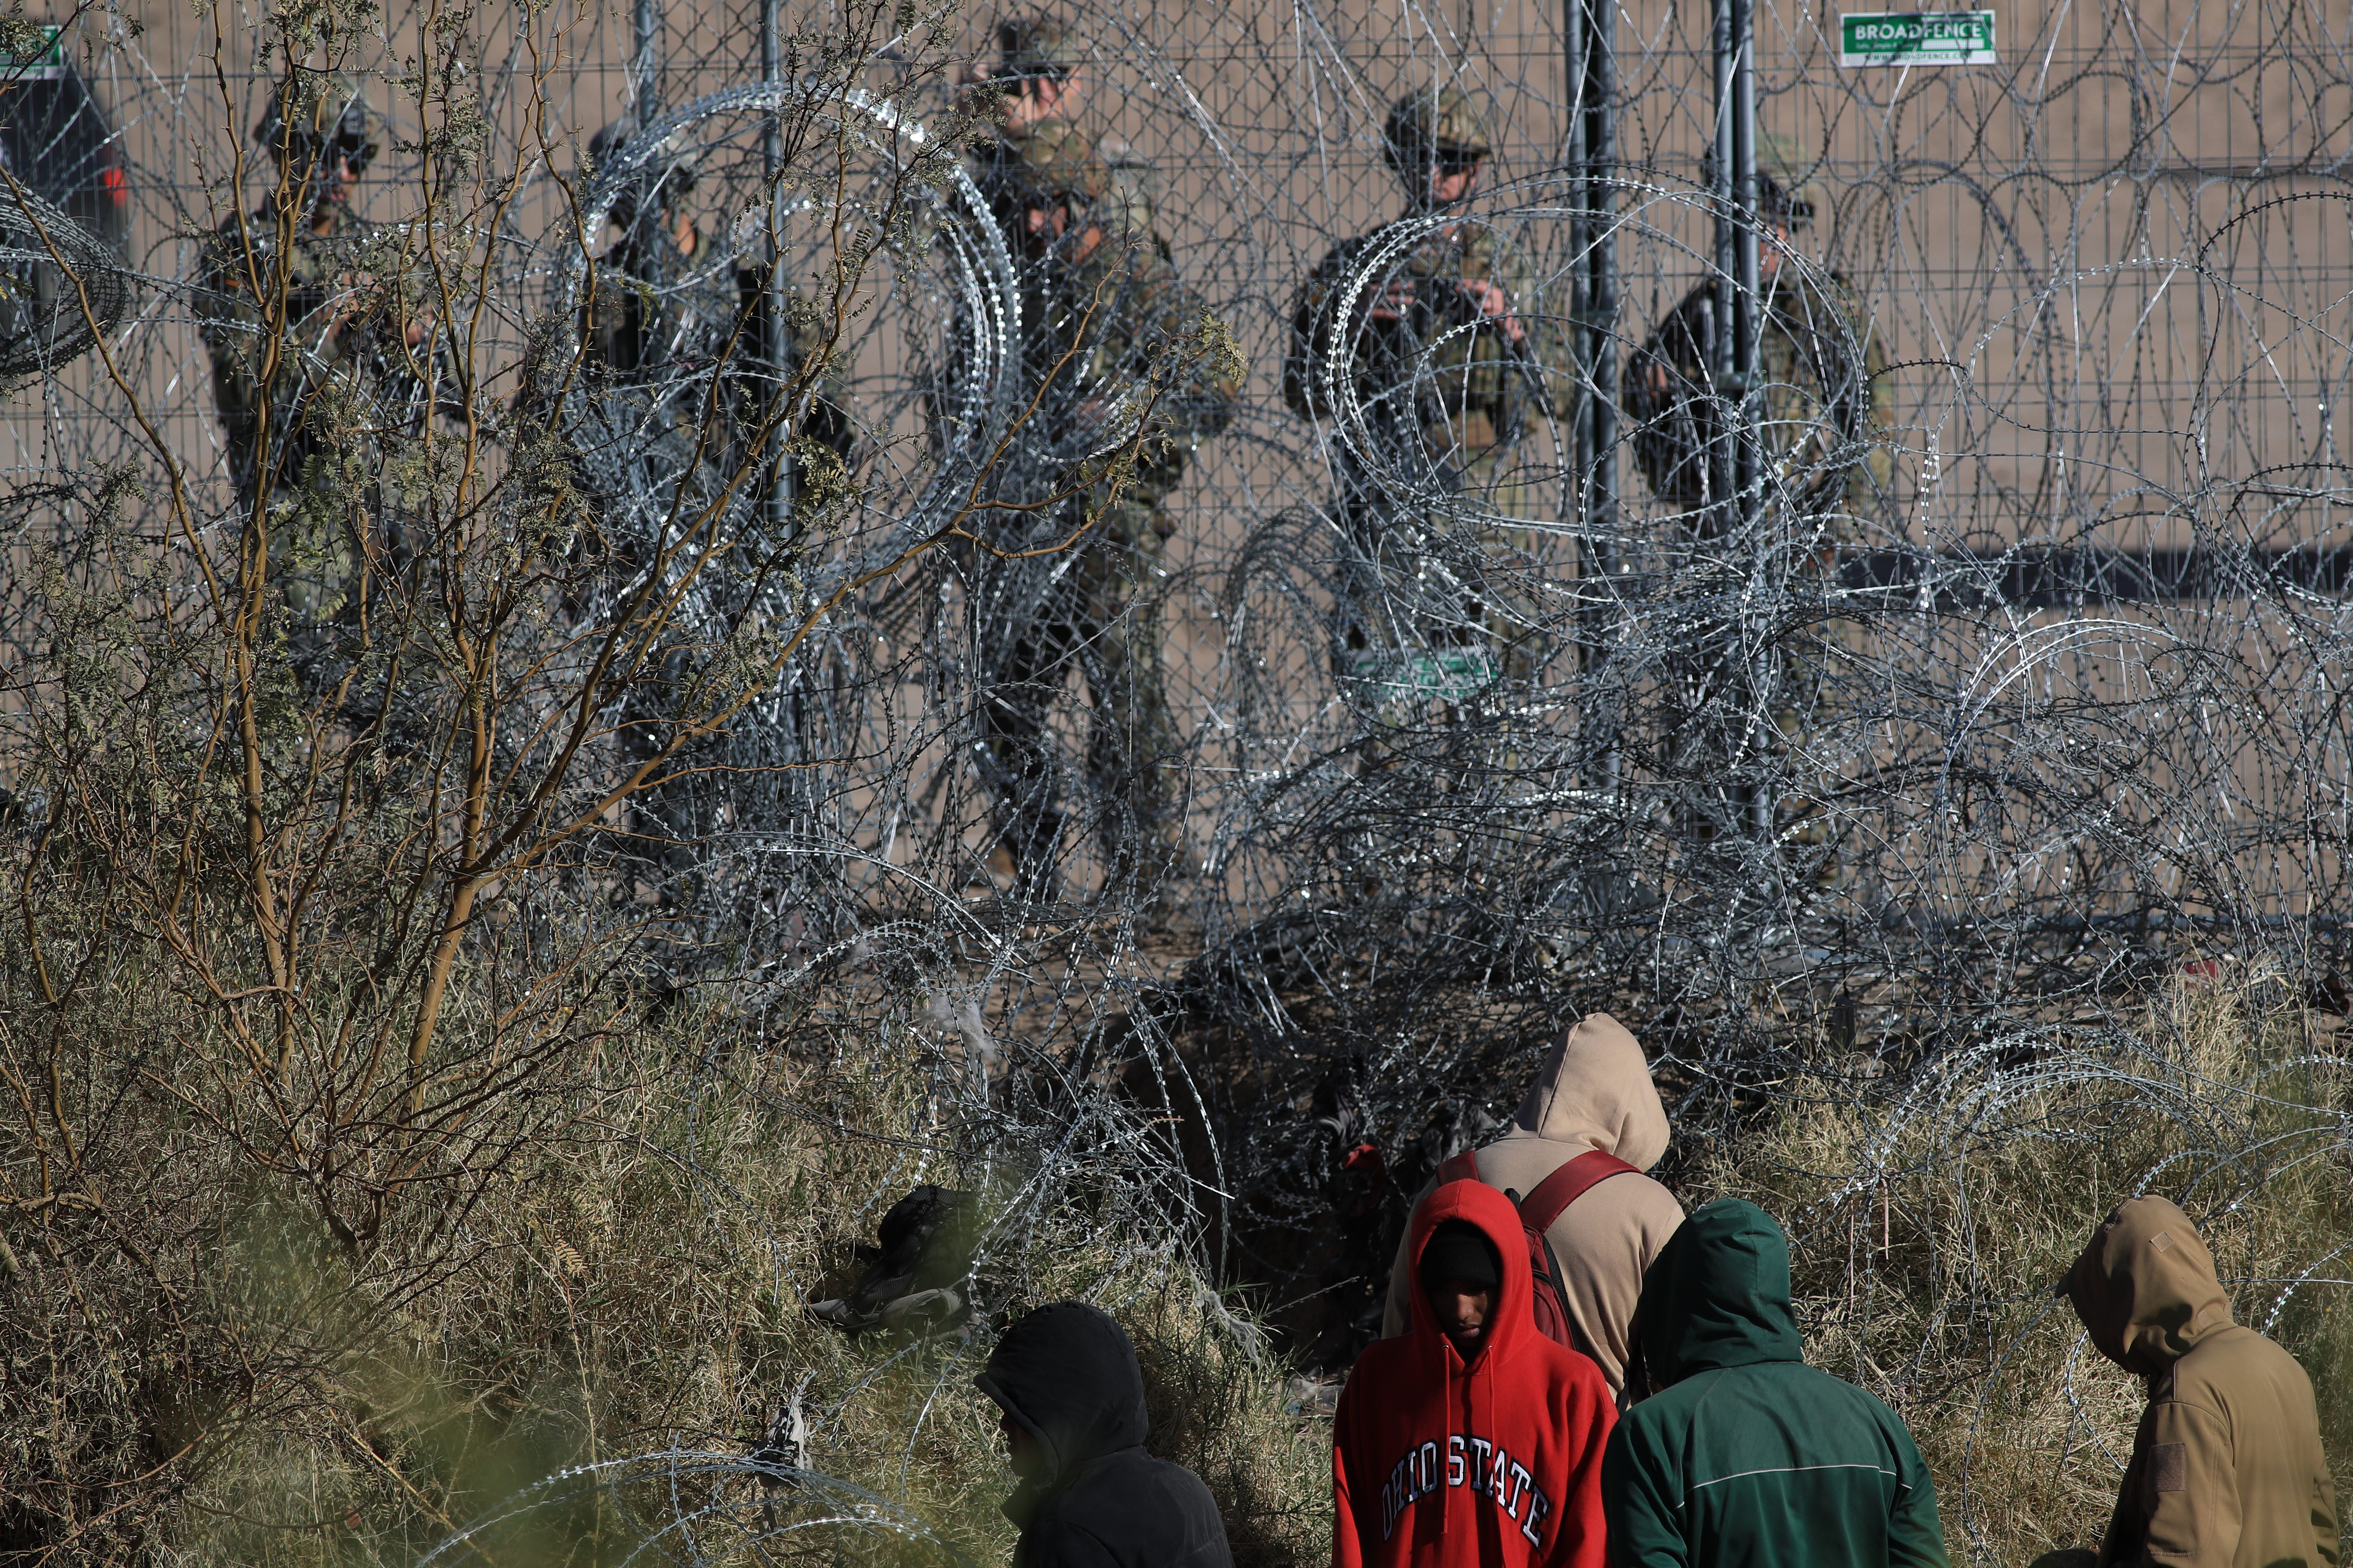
x: 1023, y: 81
x: 1450, y: 164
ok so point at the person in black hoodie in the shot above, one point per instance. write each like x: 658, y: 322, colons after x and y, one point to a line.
x: 1072, y: 1394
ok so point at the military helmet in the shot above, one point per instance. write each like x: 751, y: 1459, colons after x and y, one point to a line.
x: 674, y: 159
x: 316, y: 120
x: 1032, y: 47
x: 1424, y: 125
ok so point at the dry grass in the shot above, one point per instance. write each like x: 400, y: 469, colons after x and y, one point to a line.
x: 199, y: 1373
x: 1928, y: 1222
x: 634, y: 1287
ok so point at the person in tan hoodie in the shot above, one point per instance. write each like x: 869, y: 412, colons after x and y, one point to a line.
x: 2226, y: 1470
x: 1592, y: 1091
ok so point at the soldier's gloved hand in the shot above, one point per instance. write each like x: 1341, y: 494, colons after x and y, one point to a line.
x: 1494, y: 304
x: 1392, y: 302
x: 1485, y: 295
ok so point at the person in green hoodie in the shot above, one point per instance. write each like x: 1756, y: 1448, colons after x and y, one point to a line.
x: 1746, y: 1456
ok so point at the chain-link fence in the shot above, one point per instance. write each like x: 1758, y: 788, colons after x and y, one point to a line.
x: 1837, y: 562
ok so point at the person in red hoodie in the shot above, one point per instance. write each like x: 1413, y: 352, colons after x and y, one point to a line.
x: 1471, y: 1441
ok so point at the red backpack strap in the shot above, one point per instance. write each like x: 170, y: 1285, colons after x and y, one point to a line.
x: 1565, y: 1185
x: 1463, y: 1167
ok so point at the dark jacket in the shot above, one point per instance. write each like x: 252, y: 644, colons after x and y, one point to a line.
x: 1748, y: 1457
x: 2227, y: 1469
x: 1068, y: 1376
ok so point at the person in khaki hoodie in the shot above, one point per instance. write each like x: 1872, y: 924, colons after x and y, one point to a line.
x: 2226, y: 1470
x: 1592, y: 1091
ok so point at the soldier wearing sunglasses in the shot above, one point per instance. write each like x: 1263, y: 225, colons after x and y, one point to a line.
x: 1424, y: 342
x: 1112, y: 366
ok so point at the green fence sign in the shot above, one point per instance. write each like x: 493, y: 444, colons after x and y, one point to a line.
x: 1916, y: 38
x: 46, y: 63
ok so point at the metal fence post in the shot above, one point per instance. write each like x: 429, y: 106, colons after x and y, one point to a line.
x: 1735, y: 469
x: 645, y: 57
x: 1723, y: 191
x: 1600, y: 204
x: 776, y: 504
x: 1748, y: 331
x: 1592, y: 46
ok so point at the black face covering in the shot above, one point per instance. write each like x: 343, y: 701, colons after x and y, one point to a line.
x: 316, y: 157
x: 1445, y: 161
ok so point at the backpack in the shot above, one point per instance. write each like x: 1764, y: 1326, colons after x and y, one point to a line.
x: 1537, y: 1211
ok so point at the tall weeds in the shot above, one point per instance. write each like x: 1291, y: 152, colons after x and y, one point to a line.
x: 630, y: 1283
x: 361, y: 1163
x: 1930, y: 1217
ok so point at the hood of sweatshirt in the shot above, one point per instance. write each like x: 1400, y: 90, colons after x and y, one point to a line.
x: 1594, y: 1088
x: 1513, y: 1322
x: 2145, y: 1287
x: 1067, y: 1374
x: 1718, y: 1295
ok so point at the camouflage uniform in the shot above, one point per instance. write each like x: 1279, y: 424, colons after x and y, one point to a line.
x: 291, y: 386
x: 1826, y: 403
x: 663, y: 321
x: 1824, y: 415
x: 1098, y: 325
x: 1449, y: 390
x: 660, y: 320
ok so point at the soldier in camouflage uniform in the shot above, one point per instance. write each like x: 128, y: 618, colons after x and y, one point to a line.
x: 1109, y: 335
x: 1826, y: 403
x: 664, y: 319
x: 664, y: 314
x: 649, y: 309
x: 1823, y: 416
x: 1039, y: 79
x: 293, y: 383
x: 1448, y: 354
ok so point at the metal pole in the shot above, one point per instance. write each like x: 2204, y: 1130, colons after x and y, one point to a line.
x: 1735, y: 469
x: 1715, y: 519
x: 772, y: 66
x: 1593, y: 35
x: 1574, y: 160
x: 1601, y: 294
x: 1747, y: 317
x: 1601, y: 289
x: 776, y: 505
x: 646, y: 59
x: 1747, y: 369
x: 1721, y: 190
